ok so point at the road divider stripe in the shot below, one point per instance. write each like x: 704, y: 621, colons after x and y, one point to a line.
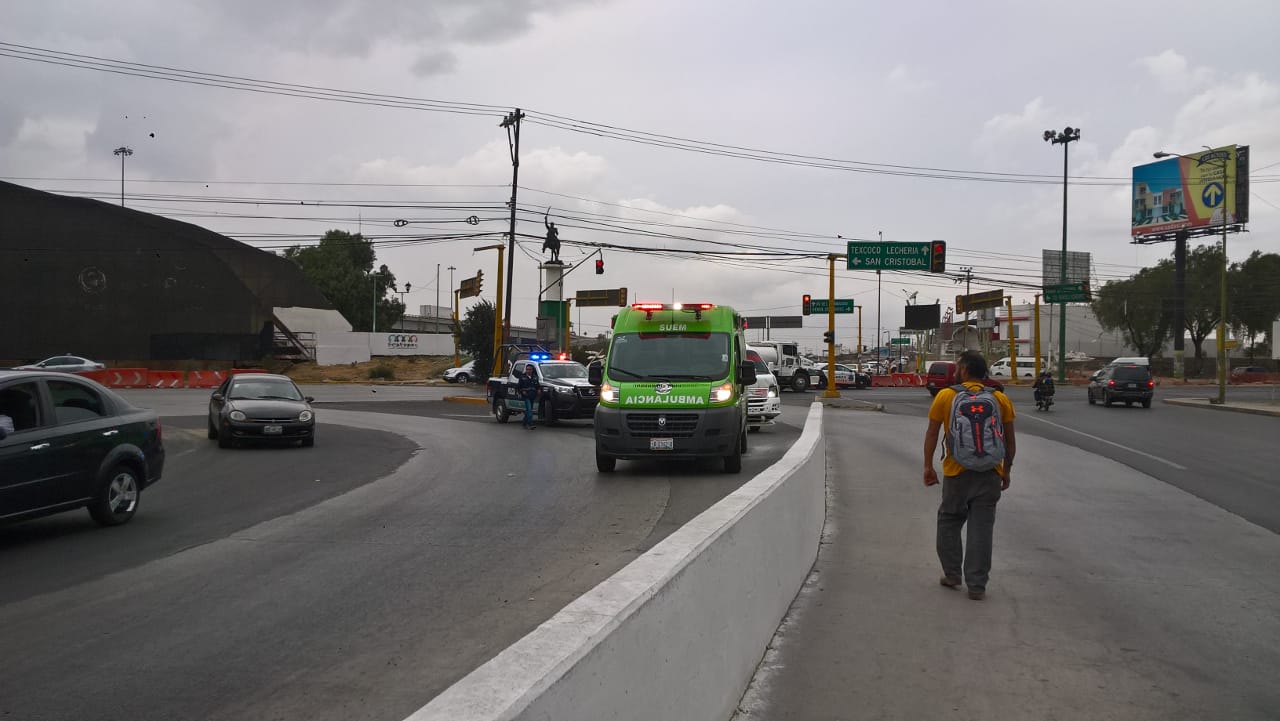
x: 1090, y: 436
x: 678, y: 632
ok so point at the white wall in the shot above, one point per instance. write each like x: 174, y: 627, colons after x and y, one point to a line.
x: 335, y: 348
x: 677, y: 633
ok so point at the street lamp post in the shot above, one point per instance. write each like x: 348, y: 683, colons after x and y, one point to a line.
x: 1222, y: 307
x: 123, y: 152
x: 1064, y: 138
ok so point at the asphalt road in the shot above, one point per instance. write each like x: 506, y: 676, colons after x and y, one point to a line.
x: 1228, y: 459
x: 1113, y: 595
x: 354, y: 580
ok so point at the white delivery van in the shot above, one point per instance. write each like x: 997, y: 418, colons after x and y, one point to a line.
x: 1003, y: 368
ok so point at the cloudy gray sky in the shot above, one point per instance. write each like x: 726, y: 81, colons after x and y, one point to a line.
x: 963, y: 86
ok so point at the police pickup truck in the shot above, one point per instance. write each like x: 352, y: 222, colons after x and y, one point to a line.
x: 565, y: 391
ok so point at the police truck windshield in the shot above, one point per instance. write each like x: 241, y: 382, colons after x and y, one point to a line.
x: 671, y: 356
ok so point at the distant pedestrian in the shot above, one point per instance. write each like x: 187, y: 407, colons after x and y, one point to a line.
x: 528, y: 388
x: 979, y: 447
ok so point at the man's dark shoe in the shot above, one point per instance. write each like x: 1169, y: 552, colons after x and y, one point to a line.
x: 950, y: 581
x: 977, y: 595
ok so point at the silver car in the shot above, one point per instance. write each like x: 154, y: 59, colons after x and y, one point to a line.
x: 64, y: 363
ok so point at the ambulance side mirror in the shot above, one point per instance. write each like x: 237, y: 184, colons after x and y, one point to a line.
x: 595, y: 373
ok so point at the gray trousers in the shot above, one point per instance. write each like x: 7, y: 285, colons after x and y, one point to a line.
x: 971, y: 496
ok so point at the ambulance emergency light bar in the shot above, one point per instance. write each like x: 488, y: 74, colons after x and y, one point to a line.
x: 649, y: 308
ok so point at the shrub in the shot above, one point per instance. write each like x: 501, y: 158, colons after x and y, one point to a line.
x: 382, y: 372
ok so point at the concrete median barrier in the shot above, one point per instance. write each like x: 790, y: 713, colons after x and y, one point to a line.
x: 678, y: 632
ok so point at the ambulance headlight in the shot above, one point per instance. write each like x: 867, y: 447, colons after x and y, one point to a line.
x: 608, y: 393
x: 722, y: 394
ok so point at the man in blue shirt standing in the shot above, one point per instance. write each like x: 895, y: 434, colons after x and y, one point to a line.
x: 527, y: 388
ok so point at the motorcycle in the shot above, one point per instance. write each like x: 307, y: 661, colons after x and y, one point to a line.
x: 1044, y: 398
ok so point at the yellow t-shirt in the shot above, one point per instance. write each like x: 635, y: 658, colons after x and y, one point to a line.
x: 940, y: 411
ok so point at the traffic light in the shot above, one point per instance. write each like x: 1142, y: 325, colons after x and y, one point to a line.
x: 829, y: 337
x: 599, y: 266
x: 804, y: 303
x: 479, y: 280
x: 938, y: 257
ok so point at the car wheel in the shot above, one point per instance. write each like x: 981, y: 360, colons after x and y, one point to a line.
x: 733, y: 461
x: 213, y: 430
x: 800, y: 382
x: 605, y: 464
x: 462, y: 378
x: 1146, y: 403
x: 117, y: 498
x: 225, y: 440
x: 1106, y: 399
x: 1092, y: 402
x: 500, y: 412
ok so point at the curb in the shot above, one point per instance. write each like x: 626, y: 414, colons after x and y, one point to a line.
x: 852, y: 404
x: 467, y: 399
x: 1190, y: 403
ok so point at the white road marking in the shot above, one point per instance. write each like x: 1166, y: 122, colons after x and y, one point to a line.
x: 1104, y: 440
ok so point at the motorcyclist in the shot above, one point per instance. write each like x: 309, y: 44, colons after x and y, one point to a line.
x: 1043, y: 386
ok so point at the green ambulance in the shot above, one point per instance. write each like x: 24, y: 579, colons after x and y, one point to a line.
x: 674, y: 385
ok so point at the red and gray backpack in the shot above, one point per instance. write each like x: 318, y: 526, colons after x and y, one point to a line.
x: 975, y: 437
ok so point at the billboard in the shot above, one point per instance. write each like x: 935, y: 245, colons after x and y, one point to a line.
x: 922, y: 317
x: 1078, y: 263
x: 1192, y: 191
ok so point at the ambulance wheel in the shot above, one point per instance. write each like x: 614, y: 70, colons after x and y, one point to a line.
x: 605, y: 464
x: 800, y: 382
x: 500, y: 412
x: 733, y: 461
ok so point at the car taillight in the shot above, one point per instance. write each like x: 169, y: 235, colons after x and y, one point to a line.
x: 1111, y: 383
x: 1151, y: 384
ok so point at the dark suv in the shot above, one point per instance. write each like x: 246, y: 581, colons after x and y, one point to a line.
x: 1128, y: 383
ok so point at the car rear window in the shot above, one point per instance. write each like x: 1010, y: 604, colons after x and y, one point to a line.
x: 938, y: 369
x: 1132, y: 373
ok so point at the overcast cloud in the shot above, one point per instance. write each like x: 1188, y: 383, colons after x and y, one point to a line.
x: 967, y: 86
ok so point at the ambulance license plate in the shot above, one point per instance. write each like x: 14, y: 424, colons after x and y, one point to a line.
x: 662, y: 444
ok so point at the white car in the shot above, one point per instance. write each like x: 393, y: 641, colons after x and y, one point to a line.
x: 763, y: 400
x: 462, y: 374
x: 64, y: 363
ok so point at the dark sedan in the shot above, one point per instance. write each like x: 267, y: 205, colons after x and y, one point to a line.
x: 260, y: 407
x: 67, y: 442
x: 1128, y: 383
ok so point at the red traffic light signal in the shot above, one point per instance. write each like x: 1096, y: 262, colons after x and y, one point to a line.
x: 805, y: 304
x: 599, y: 266
x: 938, y: 257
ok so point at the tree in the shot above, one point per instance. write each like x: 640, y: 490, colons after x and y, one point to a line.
x: 1254, y: 295
x: 475, y: 335
x: 1203, y: 297
x: 341, y: 267
x: 1139, y: 307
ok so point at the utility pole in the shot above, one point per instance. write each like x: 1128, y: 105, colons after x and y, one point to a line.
x: 437, y: 311
x: 1037, y: 334
x: 453, y: 303
x: 881, y: 234
x: 512, y: 124
x: 1064, y: 138
x: 968, y: 282
x: 123, y: 152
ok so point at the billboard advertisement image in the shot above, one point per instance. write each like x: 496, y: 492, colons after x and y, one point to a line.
x: 1185, y: 192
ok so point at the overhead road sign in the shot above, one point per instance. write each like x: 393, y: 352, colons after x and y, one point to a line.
x: 610, y: 297
x: 1066, y: 293
x: 819, y: 306
x: 979, y: 301
x: 899, y: 341
x: 888, y: 255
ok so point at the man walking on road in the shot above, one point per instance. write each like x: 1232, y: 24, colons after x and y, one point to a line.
x: 979, y: 450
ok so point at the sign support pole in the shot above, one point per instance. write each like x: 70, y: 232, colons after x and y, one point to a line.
x: 1037, y: 334
x: 831, y: 391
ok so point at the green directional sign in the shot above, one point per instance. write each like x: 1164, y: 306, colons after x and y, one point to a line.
x: 899, y: 341
x: 888, y: 255
x: 818, y: 306
x: 1066, y: 293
